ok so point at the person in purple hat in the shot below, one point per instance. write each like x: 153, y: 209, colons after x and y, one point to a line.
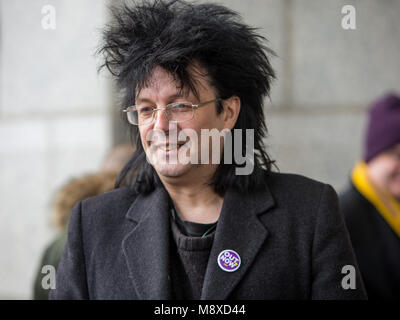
x: 371, y: 204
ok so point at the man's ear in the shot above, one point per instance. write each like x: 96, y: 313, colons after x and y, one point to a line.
x: 231, y: 111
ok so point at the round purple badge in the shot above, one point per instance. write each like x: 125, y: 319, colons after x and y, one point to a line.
x: 229, y: 260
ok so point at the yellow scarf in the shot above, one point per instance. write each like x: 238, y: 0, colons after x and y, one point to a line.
x: 384, y: 202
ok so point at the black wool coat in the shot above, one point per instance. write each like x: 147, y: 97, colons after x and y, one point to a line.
x: 291, y: 239
x: 376, y: 245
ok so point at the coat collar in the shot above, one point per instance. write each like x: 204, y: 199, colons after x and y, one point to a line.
x: 238, y: 229
x: 146, y: 246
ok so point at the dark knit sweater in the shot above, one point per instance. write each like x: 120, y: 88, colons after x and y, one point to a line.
x: 188, y: 262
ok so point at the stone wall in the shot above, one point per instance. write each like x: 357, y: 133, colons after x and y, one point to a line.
x: 54, y: 123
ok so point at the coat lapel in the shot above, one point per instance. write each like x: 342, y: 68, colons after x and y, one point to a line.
x: 238, y: 229
x: 146, y: 247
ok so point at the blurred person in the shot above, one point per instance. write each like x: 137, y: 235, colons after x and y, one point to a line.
x: 201, y: 229
x: 371, y: 204
x: 75, y: 190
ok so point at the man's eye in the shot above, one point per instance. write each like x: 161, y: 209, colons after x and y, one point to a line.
x: 181, y: 107
x: 145, y: 110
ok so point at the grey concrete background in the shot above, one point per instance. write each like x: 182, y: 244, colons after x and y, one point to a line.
x: 58, y: 118
x: 54, y: 123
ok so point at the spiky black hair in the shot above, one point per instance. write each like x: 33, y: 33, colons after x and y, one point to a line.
x: 173, y: 35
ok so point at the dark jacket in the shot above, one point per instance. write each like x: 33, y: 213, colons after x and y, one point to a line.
x: 291, y: 239
x: 376, y: 245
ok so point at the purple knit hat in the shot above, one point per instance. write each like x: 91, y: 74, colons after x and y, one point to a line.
x: 383, y: 130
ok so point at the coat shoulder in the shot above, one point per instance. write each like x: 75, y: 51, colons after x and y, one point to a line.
x: 295, y: 186
x: 302, y: 198
x: 292, y: 178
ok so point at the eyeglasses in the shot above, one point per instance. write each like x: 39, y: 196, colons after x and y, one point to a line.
x: 175, y: 112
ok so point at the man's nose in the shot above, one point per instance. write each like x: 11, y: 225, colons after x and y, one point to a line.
x: 160, y: 120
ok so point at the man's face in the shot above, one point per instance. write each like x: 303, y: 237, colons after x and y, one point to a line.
x: 161, y: 91
x: 384, y: 169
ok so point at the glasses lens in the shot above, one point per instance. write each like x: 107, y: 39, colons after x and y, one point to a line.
x: 140, y: 115
x: 180, y: 112
x: 144, y: 115
x: 132, y: 117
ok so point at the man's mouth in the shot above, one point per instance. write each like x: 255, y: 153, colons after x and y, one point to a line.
x: 169, y: 147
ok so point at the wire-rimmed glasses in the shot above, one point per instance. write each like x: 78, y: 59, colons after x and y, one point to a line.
x: 175, y: 112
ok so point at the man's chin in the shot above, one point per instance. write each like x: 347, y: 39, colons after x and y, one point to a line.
x: 171, y: 170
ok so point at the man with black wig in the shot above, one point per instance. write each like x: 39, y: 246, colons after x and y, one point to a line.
x: 201, y: 229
